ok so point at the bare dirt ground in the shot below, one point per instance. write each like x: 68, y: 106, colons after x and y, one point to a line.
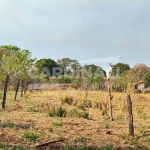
x: 31, y: 114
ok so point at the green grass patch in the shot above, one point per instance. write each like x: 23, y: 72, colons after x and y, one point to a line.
x: 31, y: 137
x: 60, y: 124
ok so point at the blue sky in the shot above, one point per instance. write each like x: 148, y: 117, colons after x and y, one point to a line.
x: 79, y: 29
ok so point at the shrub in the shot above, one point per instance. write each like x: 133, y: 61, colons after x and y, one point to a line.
x: 61, y: 112
x: 78, y: 114
x: 64, y: 79
x: 87, y: 103
x: 57, y: 112
x: 67, y: 100
x: 30, y: 137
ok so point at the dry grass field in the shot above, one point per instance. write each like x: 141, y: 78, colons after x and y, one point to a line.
x: 73, y: 119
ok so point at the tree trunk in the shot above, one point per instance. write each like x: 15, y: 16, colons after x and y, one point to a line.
x: 18, y: 84
x: 26, y: 87
x: 22, y: 88
x: 5, y: 92
x: 131, y: 126
x: 110, y: 103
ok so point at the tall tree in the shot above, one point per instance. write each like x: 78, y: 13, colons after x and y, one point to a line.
x: 4, y: 51
x: 95, y: 69
x: 138, y: 72
x: 119, y: 68
x: 119, y: 84
x: 147, y: 79
x: 68, y: 64
x: 46, y: 63
x: 8, y: 68
x: 11, y: 48
x: 24, y: 63
x: 14, y: 66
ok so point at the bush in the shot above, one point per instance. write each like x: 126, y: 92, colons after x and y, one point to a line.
x: 62, y: 112
x: 30, y: 137
x: 67, y: 100
x: 64, y: 79
x: 57, y: 112
x: 78, y: 114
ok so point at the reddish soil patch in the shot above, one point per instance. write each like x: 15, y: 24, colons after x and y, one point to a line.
x: 16, y: 107
x: 7, y: 139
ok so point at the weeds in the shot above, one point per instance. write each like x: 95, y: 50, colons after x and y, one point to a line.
x: 67, y: 100
x: 57, y: 112
x: 10, y: 147
x: 81, y: 139
x: 34, y: 110
x: 31, y: 137
x: 78, y: 114
x: 62, y: 112
x: 13, y: 125
x: 57, y: 124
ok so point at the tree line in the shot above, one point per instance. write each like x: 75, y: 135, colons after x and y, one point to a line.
x: 19, y: 68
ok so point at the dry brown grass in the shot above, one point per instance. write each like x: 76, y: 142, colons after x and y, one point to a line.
x: 31, y: 111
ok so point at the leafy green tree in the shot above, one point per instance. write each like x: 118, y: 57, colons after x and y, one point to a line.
x: 119, y: 68
x: 24, y: 63
x: 68, y: 64
x: 119, y: 84
x: 64, y: 79
x: 8, y: 68
x: 95, y: 75
x: 46, y: 63
x: 77, y: 82
x: 14, y: 68
x: 11, y: 48
x: 4, y: 52
x: 147, y: 80
x: 95, y: 69
x: 97, y: 81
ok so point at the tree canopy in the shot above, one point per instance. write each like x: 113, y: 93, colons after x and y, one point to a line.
x: 46, y: 63
x: 138, y: 72
x: 119, y: 68
x: 95, y: 69
x: 68, y: 64
x: 10, y: 47
x: 147, y: 79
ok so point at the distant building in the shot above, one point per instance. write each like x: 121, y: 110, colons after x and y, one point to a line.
x: 139, y: 85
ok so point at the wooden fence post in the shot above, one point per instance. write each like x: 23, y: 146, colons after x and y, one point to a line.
x: 110, y: 103
x: 131, y: 126
x: 110, y: 94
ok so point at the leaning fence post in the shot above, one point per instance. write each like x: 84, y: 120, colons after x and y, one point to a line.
x: 131, y: 126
